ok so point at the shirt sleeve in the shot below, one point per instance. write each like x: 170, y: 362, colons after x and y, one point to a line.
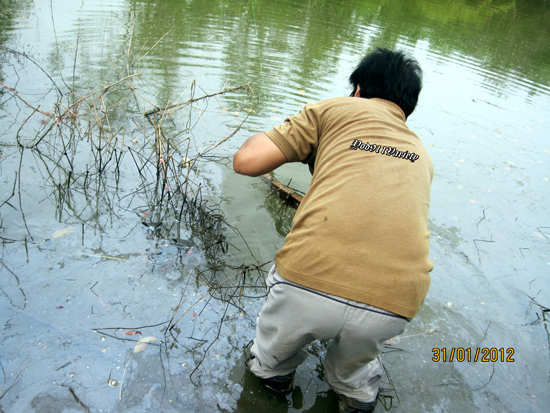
x: 298, y: 136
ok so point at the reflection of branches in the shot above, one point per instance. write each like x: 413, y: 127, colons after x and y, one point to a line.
x: 2, y: 391
x: 12, y: 194
x: 235, y: 290
x: 477, y: 248
x: 18, y: 286
x: 15, y: 94
x: 83, y: 127
x: 77, y: 399
x: 26, y: 56
x: 488, y: 381
x: 80, y: 151
x: 174, y: 323
x: 386, y: 394
x: 540, y: 318
x: 211, y: 343
x: 19, y: 192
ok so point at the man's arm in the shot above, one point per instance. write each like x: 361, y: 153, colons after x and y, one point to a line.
x: 258, y: 156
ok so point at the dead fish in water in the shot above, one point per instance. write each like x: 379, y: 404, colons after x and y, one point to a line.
x: 392, y: 341
x: 152, y: 225
x: 178, y: 242
x: 62, y: 232
x: 102, y: 302
x: 183, y: 245
x: 185, y: 162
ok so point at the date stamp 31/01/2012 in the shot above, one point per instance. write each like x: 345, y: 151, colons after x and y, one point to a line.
x: 485, y: 354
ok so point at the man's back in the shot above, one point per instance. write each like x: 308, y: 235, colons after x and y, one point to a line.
x: 361, y: 232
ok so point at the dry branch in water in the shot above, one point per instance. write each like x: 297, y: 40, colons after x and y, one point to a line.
x: 115, y: 153
x: 91, y: 144
x: 288, y: 195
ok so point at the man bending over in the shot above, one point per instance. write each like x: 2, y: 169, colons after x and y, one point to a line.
x: 354, y: 269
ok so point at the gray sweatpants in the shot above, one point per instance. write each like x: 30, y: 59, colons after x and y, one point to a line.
x: 294, y: 316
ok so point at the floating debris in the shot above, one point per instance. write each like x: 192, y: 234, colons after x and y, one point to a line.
x: 62, y: 232
x: 391, y: 341
x: 185, y: 162
x: 142, y: 344
x: 152, y: 225
x: 178, y: 242
x: 449, y: 304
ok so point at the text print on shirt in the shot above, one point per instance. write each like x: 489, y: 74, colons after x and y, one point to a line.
x: 383, y: 150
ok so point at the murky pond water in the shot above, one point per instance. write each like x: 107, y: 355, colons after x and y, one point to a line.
x: 121, y: 219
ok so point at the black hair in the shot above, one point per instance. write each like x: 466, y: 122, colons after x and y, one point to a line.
x: 389, y: 75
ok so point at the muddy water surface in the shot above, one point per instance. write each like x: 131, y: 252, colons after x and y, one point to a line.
x: 101, y: 248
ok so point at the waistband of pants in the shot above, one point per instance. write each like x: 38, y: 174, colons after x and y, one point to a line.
x: 351, y: 303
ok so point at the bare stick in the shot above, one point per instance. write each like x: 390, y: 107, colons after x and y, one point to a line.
x: 23, y: 100
x: 12, y: 194
x: 26, y: 56
x: 540, y: 230
x: 56, y: 43
x: 2, y: 392
x: 243, y: 86
x: 69, y: 109
x: 483, y: 216
x: 488, y: 381
x: 18, y: 284
x: 478, y: 250
x: 212, y: 342
x: 19, y: 192
x: 77, y: 399
x: 152, y: 47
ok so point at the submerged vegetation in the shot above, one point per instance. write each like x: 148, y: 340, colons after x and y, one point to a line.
x: 115, y: 156
x: 92, y: 147
x: 125, y: 281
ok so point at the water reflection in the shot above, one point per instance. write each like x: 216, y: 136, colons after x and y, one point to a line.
x: 482, y: 115
x: 311, y: 37
x: 293, y: 51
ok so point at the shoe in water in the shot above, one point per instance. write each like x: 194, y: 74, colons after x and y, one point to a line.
x: 349, y: 405
x: 280, y: 384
